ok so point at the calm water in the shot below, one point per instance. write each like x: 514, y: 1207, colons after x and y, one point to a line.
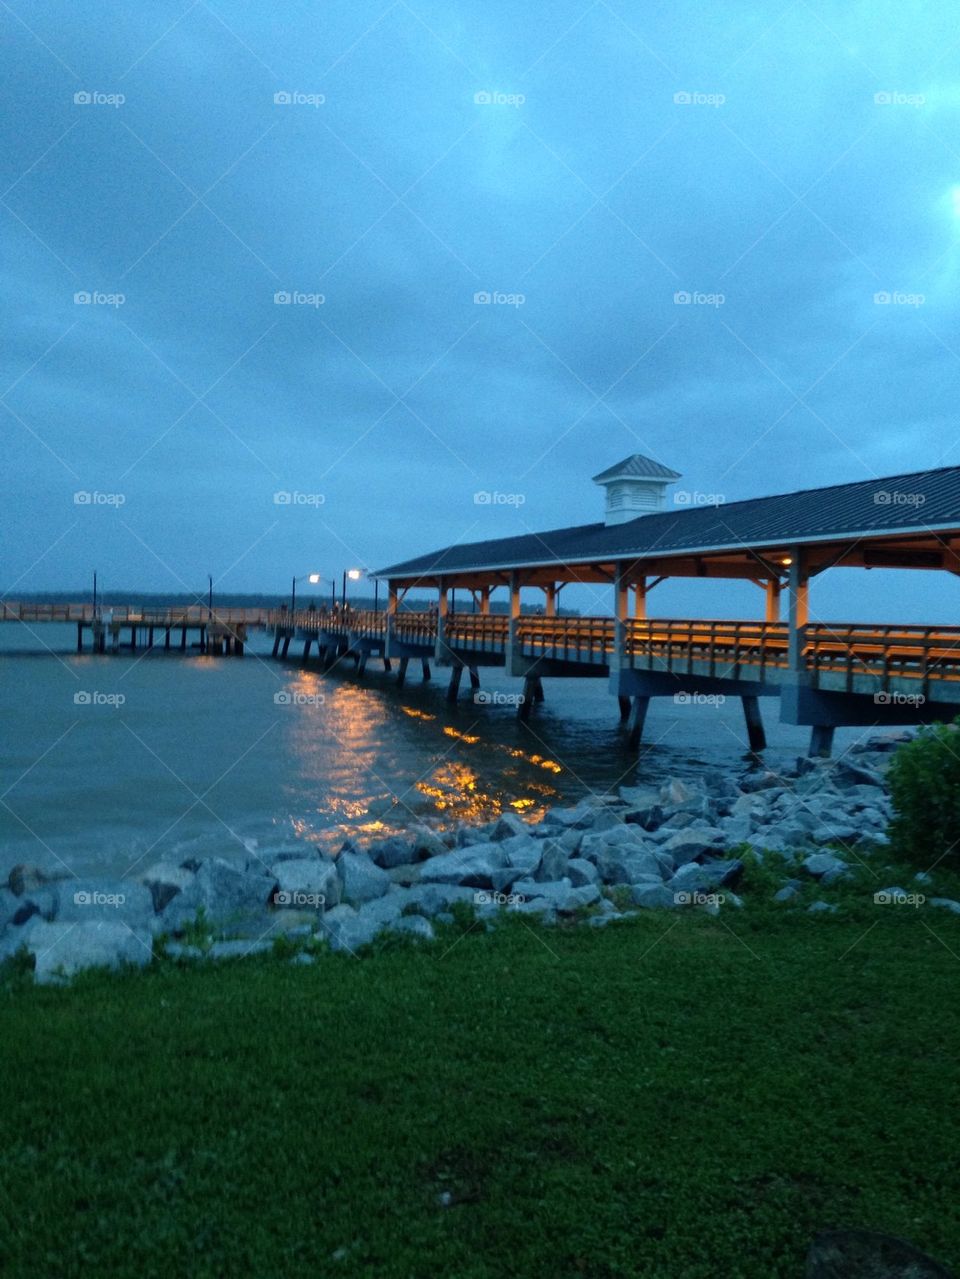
x: 199, y: 758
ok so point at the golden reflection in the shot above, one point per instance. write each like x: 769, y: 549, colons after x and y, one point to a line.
x: 470, y: 738
x: 415, y: 714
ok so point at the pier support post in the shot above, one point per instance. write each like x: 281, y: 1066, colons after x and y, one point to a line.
x: 307, y: 643
x: 453, y: 688
x: 286, y: 645
x: 133, y: 638
x: 532, y: 692
x: 638, y: 716
x: 183, y: 638
x: 79, y: 637
x: 402, y: 671
x: 474, y: 679
x: 276, y: 643
x: 361, y: 665
x: 754, y: 721
x: 821, y: 740
x: 166, y: 638
x: 624, y: 703
x: 149, y: 637
x: 426, y: 669
x: 387, y: 665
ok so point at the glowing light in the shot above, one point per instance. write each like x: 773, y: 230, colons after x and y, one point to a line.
x: 787, y: 559
x: 313, y: 579
x: 353, y: 574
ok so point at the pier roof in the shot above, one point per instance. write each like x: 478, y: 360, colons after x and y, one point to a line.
x: 918, y: 505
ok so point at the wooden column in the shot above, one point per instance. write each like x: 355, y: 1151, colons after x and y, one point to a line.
x: 640, y: 599
x: 621, y: 608
x: 550, y: 603
x: 512, y: 625
x: 797, y: 608
x: 484, y: 596
x: 773, y: 601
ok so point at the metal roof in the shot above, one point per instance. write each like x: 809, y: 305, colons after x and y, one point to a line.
x: 636, y: 467
x: 917, y: 502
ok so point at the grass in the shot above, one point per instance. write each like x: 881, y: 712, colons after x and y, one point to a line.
x: 674, y: 1095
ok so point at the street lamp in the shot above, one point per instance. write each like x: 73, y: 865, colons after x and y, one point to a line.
x: 210, y: 593
x: 312, y: 578
x: 354, y: 576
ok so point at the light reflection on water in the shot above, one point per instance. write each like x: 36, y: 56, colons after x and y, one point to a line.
x: 201, y: 759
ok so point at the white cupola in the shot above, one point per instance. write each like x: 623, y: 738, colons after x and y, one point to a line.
x: 636, y: 486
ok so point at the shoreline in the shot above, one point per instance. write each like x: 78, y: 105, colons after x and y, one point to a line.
x: 683, y: 845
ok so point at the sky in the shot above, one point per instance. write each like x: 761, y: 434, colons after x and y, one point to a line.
x: 294, y: 290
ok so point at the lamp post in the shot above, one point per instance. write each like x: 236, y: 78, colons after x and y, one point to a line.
x: 94, y: 594
x: 312, y: 578
x: 210, y: 593
x: 376, y: 595
x: 354, y: 576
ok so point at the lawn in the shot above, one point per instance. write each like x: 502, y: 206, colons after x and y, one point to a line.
x: 673, y: 1095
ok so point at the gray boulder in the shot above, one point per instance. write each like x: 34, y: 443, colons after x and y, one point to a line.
x: 786, y: 894
x: 553, y: 862
x: 119, y: 901
x: 819, y: 864
x: 945, y: 903
x: 165, y: 880
x: 309, y: 883
x: 63, y: 949
x: 474, y: 867
x: 425, y: 843
x: 223, y: 890
x: 508, y: 826
x: 821, y: 908
x: 360, y: 879
x: 693, y: 878
x: 388, y: 853
x: 626, y: 866
x: 696, y: 841
x: 580, y: 872
x: 238, y: 949
x: 414, y: 926
x: 562, y: 896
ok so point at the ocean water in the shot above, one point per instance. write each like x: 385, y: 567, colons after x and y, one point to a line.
x: 112, y: 762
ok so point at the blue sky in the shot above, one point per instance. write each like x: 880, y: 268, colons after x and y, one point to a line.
x: 581, y: 163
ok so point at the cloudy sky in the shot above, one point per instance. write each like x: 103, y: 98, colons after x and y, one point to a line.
x: 683, y: 215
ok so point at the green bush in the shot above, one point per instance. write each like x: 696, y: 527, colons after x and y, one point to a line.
x: 924, y: 781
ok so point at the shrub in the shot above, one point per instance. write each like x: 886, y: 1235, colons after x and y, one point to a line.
x: 924, y: 781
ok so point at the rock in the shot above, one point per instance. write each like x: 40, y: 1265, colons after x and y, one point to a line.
x: 119, y: 901
x: 580, y: 872
x: 562, y: 896
x: 786, y: 894
x: 819, y: 864
x: 473, y: 868
x: 415, y: 926
x: 864, y: 1254
x: 433, y: 899
x: 639, y: 796
x: 652, y: 896
x: 177, y: 950
x: 945, y: 903
x: 9, y: 906
x: 238, y: 949
x: 761, y: 780
x: 524, y: 853
x: 303, y: 958
x: 384, y: 910
x: 388, y: 853
x: 347, y: 934
x: 25, y: 878
x: 819, y: 908
x: 426, y: 843
x: 712, y: 875
x: 696, y: 841
x: 831, y: 876
x: 164, y: 881
x: 360, y: 879
x: 851, y: 774
x: 63, y: 949
x: 606, y: 820
x: 923, y: 877
x: 540, y: 906
x: 223, y: 891
x: 509, y: 825
x: 309, y: 883
x: 553, y: 862
x: 42, y: 903
x: 626, y: 866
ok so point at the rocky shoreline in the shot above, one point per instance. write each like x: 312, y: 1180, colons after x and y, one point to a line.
x: 679, y: 845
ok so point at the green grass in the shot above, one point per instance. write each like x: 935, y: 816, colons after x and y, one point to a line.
x: 670, y: 1096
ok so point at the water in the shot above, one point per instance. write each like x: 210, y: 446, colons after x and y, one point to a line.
x: 200, y: 759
